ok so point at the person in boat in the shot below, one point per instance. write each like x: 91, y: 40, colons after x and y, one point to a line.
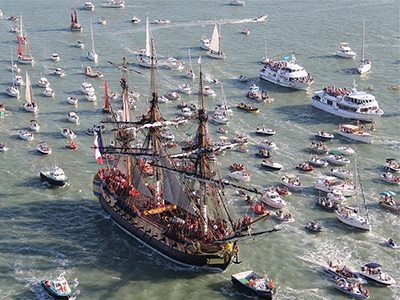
x: 391, y: 242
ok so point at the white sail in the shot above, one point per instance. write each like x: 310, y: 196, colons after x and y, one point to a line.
x: 214, y: 45
x: 148, y: 38
x: 28, y: 90
x: 92, y: 55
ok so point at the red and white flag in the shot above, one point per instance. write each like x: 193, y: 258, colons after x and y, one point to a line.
x: 97, y: 154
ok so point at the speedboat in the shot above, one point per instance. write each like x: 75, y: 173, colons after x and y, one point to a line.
x: 282, y: 216
x: 327, y: 204
x: 72, y: 100
x: 135, y: 20
x: 338, y: 160
x: 268, y: 145
x: 34, y: 125
x: 292, y: 182
x: 208, y: 91
x: 390, y: 178
x: 271, y: 198
x: 260, y: 18
x: 324, y: 136
x: 167, y: 135
x: 264, y: 153
x: 245, y: 31
x: 68, y: 133
x: 185, y: 88
x: 162, y: 99
x: 205, y: 43
x: 354, y: 290
x: 25, y: 135
x: 54, y: 176
x: 161, y: 21
x: 316, y: 161
x: 341, y: 173
x: 43, y: 82
x: 220, y: 118
x: 314, y: 226
x: 172, y: 63
x: 59, y: 72
x: 80, y: 44
x: 102, y: 21
x: 55, y: 57
x: 319, y: 147
x: 240, y: 175
x: 237, y: 2
x: 57, y: 288
x: 351, y: 104
x: 173, y: 96
x: 372, y: 273
x: 328, y: 184
x: 286, y: 73
x: 265, y: 131
x: 88, y: 6
x: 186, y: 112
x: 87, y: 88
x: 13, y: 91
x: 247, y: 107
x: 386, y: 201
x: 253, y: 284
x: 243, y: 78
x: 345, y: 150
x: 305, y: 167
x: 257, y: 95
x: 43, y: 148
x: 18, y: 80
x: 345, y: 51
x: 355, y: 132
x: 270, y: 165
x: 113, y: 4
x: 91, y: 97
x: 350, y: 216
x: 88, y: 71
x: 340, y: 270
x: 73, y: 117
x: 392, y: 244
x: 48, y: 92
x: 392, y: 165
x: 3, y: 147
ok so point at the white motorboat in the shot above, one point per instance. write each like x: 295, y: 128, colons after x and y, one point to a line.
x: 88, y: 6
x: 208, y: 91
x: 386, y: 201
x: 26, y: 135
x: 355, y: 132
x: 351, y: 217
x: 354, y: 290
x: 172, y: 63
x: 390, y: 178
x: 3, y: 147
x: 286, y: 73
x: 324, y: 136
x: 43, y: 148
x: 18, y: 80
x: 336, y: 196
x: 317, y: 162
x: 339, y: 270
x: 365, y: 64
x: 91, y: 97
x: 337, y: 160
x: 220, y: 118
x: 34, y: 125
x: 237, y: 2
x: 256, y: 94
x: 268, y: 145
x: 328, y: 184
x: 43, y: 82
x: 113, y: 4
x: 79, y: 44
x: 72, y: 100
x: 73, y: 117
x: 54, y: 176
x: 341, y: 173
x: 88, y: 71
x: 92, y: 55
x: 270, y: 165
x: 13, y: 91
x: 59, y: 72
x: 185, y: 89
x: 135, y: 20
x: 319, y: 147
x: 55, y: 57
x: 392, y: 244
x: 173, y: 96
x: 260, y: 18
x: 345, y: 51
x: 162, y: 99
x: 240, y: 175
x: 358, y: 105
x: 214, y: 49
x: 161, y: 21
x: 283, y: 216
x: 245, y: 31
x: 345, y: 150
x: 48, y: 92
x: 68, y: 133
x: 292, y: 182
x: 102, y: 21
x: 271, y: 198
x: 30, y: 103
x: 87, y: 88
x: 205, y: 43
x: 167, y: 135
x: 242, y: 78
x: 392, y: 165
x: 186, y: 112
x: 372, y: 273
x: 265, y: 131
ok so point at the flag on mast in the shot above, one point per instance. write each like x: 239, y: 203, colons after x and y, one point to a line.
x: 97, y: 154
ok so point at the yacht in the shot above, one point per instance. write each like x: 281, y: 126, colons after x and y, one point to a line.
x: 54, y: 176
x: 59, y: 72
x: 113, y: 4
x: 355, y: 132
x: 271, y: 198
x: 205, y: 43
x: 55, y: 57
x: 43, y: 82
x: 286, y: 73
x: 12, y: 91
x: 345, y: 51
x: 344, y: 103
x: 48, y: 92
x: 87, y: 88
x: 350, y: 217
x: 88, y: 6
x: 328, y: 184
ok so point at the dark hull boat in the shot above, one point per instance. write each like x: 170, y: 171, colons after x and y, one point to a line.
x: 252, y: 284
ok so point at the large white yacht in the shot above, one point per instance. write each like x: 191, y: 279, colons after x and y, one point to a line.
x: 344, y: 103
x: 286, y: 73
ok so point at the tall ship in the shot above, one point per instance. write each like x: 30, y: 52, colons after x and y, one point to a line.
x: 351, y: 104
x: 286, y: 73
x: 75, y: 25
x: 172, y: 203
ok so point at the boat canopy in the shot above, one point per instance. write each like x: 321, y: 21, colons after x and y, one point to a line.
x: 388, y: 193
x: 373, y: 265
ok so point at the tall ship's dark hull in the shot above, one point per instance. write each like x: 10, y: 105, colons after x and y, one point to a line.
x: 214, y: 257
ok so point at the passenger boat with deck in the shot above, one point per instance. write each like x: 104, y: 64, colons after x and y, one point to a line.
x: 54, y: 176
x: 339, y: 269
x: 271, y: 198
x: 43, y: 148
x: 253, y: 284
x: 328, y: 184
x: 392, y: 165
x: 354, y: 290
x: 270, y: 165
x: 386, y: 201
x: 355, y: 132
x: 390, y: 178
x: 372, y: 273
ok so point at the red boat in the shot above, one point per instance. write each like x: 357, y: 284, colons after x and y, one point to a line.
x: 283, y: 191
x: 259, y: 209
x: 237, y: 167
x: 72, y: 145
x: 305, y: 167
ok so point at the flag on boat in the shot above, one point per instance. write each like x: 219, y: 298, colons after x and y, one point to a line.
x: 97, y: 147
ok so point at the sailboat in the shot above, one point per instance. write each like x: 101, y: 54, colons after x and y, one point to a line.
x: 221, y: 114
x: 215, y: 45
x: 21, y: 38
x: 173, y: 204
x: 106, y: 104
x: 189, y: 72
x: 25, y: 57
x: 75, y: 25
x: 92, y: 55
x: 30, y: 104
x: 13, y: 90
x: 14, y: 66
x: 351, y: 216
x: 143, y: 58
x: 365, y: 65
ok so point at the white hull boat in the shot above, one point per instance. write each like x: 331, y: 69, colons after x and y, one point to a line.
x: 271, y: 165
x: 26, y: 135
x: 273, y: 199
x: 13, y: 91
x: 43, y: 148
x: 337, y: 160
x: 214, y: 49
x: 268, y: 145
x: 341, y: 173
x: 355, y: 132
x: 345, y: 150
x: 328, y: 184
x: 73, y: 117
x: 48, y: 92
x: 350, y: 217
x: 72, y: 100
x: 68, y: 133
x: 34, y: 125
x: 240, y: 175
x: 205, y: 43
x: 292, y: 182
x: 345, y: 51
x: 372, y: 273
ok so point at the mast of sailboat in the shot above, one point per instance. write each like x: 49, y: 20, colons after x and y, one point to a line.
x: 358, y: 181
x: 190, y: 61
x: 28, y: 89
x: 21, y: 36
x: 362, y: 44
x: 148, y: 48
